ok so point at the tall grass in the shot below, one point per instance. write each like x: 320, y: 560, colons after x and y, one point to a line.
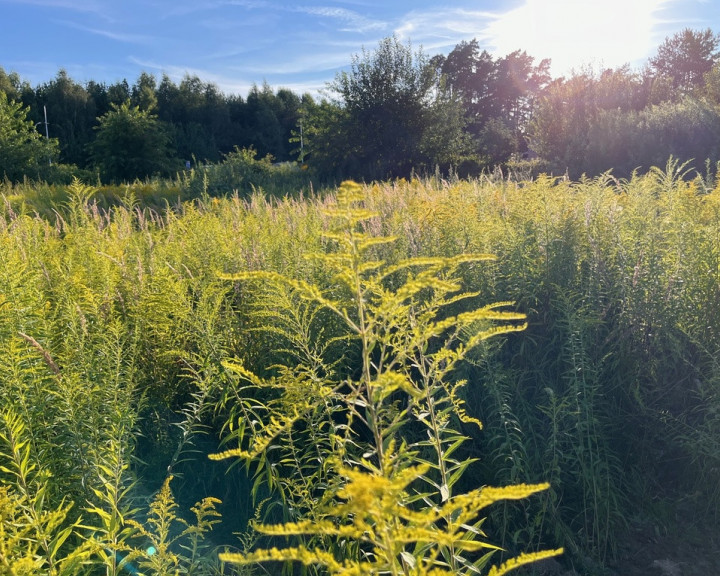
x: 116, y: 326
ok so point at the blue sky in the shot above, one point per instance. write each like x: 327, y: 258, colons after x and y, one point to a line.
x: 301, y: 46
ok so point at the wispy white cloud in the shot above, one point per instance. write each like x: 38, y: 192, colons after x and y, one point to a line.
x: 302, y: 64
x: 223, y: 25
x: 193, y: 7
x: 113, y: 34
x: 569, y: 32
x: 451, y: 22
x: 353, y: 21
x: 441, y: 30
x: 234, y: 43
x: 228, y: 52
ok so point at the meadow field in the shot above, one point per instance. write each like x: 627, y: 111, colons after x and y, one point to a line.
x: 431, y: 376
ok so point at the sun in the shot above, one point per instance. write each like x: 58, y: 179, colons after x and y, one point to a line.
x: 577, y: 33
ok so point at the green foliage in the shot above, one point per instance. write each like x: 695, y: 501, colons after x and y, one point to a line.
x: 497, y: 96
x: 581, y: 130
x: 123, y: 354
x: 12, y: 85
x: 409, y: 347
x: 269, y: 119
x: 23, y: 151
x: 390, y: 120
x: 376, y: 511
x: 327, y: 139
x: 166, y: 530
x: 242, y: 172
x: 130, y: 144
x: 393, y: 113
x: 686, y: 57
x: 70, y: 113
x: 73, y: 383
x: 32, y: 531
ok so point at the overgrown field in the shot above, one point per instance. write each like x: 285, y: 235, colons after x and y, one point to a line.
x: 318, y: 368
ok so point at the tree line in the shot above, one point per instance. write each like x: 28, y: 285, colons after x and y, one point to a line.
x: 394, y: 111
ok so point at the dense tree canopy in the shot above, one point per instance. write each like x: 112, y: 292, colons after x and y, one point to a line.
x: 621, y: 120
x: 498, y: 97
x: 686, y: 57
x: 392, y: 115
x: 12, y: 85
x: 395, y: 110
x: 71, y: 112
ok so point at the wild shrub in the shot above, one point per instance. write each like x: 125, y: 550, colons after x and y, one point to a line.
x: 242, y: 173
x: 362, y: 497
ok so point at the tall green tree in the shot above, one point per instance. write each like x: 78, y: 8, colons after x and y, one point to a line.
x: 71, y: 115
x: 326, y: 142
x: 518, y: 84
x: 498, y: 97
x: 131, y: 143
x: 198, y: 115
x: 593, y: 123
x: 23, y: 150
x: 98, y: 93
x: 387, y: 93
x: 167, y: 95
x: 12, y: 85
x: 589, y: 122
x: 561, y: 124
x: 390, y: 121
x: 143, y: 93
x: 471, y: 75
x: 118, y: 92
x: 263, y: 123
x: 686, y: 57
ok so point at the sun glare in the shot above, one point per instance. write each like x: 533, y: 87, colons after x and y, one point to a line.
x: 575, y: 33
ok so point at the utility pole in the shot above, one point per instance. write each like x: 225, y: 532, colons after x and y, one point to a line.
x: 47, y: 134
x: 302, y: 152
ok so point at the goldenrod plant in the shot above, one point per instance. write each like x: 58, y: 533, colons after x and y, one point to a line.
x: 125, y: 358
x: 33, y: 530
x: 389, y: 505
x: 172, y: 544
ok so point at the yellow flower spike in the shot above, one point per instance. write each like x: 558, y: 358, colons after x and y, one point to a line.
x: 522, y: 560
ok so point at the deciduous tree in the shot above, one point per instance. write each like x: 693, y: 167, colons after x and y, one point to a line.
x: 11, y: 84
x: 686, y: 57
x: 388, y: 107
x: 23, y: 151
x: 143, y: 93
x: 131, y: 143
x: 498, y: 96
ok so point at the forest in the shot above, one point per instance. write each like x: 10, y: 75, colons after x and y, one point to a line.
x: 449, y: 328
x: 393, y: 113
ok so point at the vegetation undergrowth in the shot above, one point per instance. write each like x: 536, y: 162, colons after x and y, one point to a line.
x: 365, y: 499
x: 125, y: 358
x: 240, y: 173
